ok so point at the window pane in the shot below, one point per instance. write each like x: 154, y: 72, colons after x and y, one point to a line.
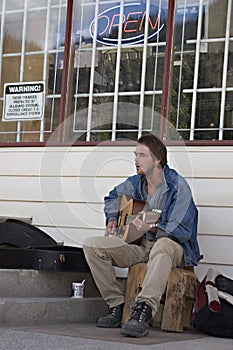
x: 130, y: 70
x: 201, y: 70
x: 127, y: 119
x: 230, y: 67
x: 10, y: 70
x: 14, y: 4
x: 82, y: 79
x: 210, y: 69
x: 228, y: 120
x: 52, y: 107
x: 58, y: 2
x: 36, y: 28
x: 29, y: 130
x: 186, y: 18
x: 36, y: 3
x: 13, y: 28
x: 33, y: 68
x: 154, y: 70
x: 54, y: 74
x: 56, y: 34
x: 217, y: 28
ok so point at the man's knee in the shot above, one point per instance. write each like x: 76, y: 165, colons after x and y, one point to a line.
x: 163, y: 242
x: 101, y: 242
x: 166, y: 245
x: 91, y: 246
x: 88, y: 242
x: 91, y: 243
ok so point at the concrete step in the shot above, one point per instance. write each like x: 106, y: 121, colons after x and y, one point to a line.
x: 37, y: 283
x: 35, y: 297
x: 43, y: 311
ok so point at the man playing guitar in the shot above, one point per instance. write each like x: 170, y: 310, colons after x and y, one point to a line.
x: 168, y: 242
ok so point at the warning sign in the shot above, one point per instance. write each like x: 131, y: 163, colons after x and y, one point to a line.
x: 24, y: 101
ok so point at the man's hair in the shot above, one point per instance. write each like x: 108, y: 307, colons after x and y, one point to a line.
x: 156, y: 146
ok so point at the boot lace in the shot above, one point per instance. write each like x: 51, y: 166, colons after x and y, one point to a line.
x: 115, y: 310
x: 141, y: 312
x: 112, y: 311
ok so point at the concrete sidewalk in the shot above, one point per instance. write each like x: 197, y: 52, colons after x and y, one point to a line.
x: 88, y: 336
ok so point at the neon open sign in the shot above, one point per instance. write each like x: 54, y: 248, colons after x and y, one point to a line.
x: 133, y: 24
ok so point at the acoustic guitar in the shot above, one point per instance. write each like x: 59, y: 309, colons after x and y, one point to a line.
x: 129, y: 209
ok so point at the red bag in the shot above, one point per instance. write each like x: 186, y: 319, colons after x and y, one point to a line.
x: 213, y: 309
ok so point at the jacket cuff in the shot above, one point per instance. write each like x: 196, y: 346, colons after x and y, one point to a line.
x: 112, y: 218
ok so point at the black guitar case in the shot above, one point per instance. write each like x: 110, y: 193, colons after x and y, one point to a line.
x: 24, y: 246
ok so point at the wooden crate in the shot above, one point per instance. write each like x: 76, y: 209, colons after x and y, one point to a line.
x: 178, y: 298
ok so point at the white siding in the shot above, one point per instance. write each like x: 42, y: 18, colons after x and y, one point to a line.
x: 62, y: 190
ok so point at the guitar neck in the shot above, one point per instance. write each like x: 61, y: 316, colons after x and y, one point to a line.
x: 131, y: 218
x: 149, y: 217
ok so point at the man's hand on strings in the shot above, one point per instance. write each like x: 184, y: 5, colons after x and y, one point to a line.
x: 110, y: 228
x: 140, y: 225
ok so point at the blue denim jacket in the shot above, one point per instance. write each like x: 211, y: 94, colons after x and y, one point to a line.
x: 179, y: 216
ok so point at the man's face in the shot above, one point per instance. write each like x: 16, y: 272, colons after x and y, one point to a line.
x: 144, y: 161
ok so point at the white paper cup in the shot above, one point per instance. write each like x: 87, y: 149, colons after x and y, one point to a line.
x: 78, y: 289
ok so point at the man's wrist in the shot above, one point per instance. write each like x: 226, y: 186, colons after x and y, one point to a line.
x: 112, y: 219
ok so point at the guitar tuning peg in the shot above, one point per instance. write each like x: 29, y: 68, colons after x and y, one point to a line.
x: 156, y: 211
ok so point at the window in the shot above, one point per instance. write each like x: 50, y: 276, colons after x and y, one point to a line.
x: 104, y: 79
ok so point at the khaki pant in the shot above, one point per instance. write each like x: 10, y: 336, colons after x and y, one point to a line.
x: 102, y: 253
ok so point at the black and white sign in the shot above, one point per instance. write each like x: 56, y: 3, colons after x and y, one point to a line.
x: 24, y: 101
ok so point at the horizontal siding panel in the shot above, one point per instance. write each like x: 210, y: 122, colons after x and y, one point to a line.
x: 25, y: 163
x: 212, y: 192
x: 73, y: 215
x: 82, y: 189
x: 216, y: 221
x: 20, y: 188
x: 99, y: 163
x: 71, y: 236
x: 216, y: 250
x: 206, y: 162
